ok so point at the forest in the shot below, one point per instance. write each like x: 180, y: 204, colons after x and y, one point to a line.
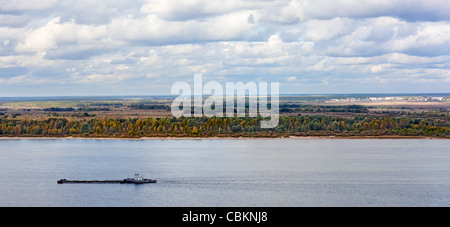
x: 308, y: 125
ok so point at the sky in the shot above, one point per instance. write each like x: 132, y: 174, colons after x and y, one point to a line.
x: 143, y: 47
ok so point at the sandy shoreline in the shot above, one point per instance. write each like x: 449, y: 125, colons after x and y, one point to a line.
x: 223, y: 138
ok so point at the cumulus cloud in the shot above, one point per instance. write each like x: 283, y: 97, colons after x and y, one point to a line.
x: 413, y: 10
x: 318, y: 46
x: 55, y: 33
x: 198, y: 9
x: 152, y: 30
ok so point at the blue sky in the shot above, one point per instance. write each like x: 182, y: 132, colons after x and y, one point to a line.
x: 142, y: 47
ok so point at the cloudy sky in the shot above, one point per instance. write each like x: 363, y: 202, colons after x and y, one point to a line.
x: 142, y: 47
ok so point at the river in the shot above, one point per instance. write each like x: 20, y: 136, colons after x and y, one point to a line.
x: 227, y: 172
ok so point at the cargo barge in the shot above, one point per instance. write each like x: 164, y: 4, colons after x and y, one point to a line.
x: 138, y: 179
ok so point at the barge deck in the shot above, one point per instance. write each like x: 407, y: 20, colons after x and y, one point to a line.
x: 136, y: 180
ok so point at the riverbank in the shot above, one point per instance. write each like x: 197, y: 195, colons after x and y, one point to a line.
x: 223, y: 138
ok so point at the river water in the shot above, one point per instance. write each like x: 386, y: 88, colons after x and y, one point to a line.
x: 227, y: 173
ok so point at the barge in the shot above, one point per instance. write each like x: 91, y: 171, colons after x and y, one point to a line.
x: 138, y: 179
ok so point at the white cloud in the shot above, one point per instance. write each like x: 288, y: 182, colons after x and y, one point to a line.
x: 320, y: 30
x: 26, y: 61
x: 426, y: 35
x: 152, y: 30
x: 292, y: 78
x: 54, y: 33
x: 152, y: 75
x: 376, y: 69
x: 327, y: 9
x: 97, y: 78
x: 197, y: 9
x: 125, y: 42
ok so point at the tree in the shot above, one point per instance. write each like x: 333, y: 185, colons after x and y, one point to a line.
x: 422, y: 124
x: 85, y: 128
x: 98, y: 130
x: 404, y: 123
x: 73, y: 131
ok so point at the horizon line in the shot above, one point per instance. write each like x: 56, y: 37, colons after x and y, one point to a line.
x: 169, y: 95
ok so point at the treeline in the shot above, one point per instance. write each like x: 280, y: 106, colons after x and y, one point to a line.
x: 144, y: 106
x: 226, y: 127
x: 298, y: 108
x: 59, y: 109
